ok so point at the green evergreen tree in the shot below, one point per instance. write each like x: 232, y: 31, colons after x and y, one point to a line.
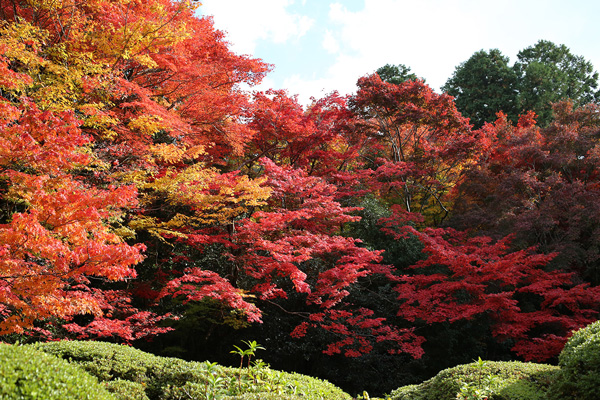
x: 543, y: 74
x: 484, y: 85
x: 396, y: 74
x: 549, y: 73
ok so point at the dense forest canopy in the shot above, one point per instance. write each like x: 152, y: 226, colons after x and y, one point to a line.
x: 144, y: 191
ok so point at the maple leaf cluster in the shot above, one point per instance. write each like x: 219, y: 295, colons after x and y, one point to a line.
x: 138, y: 177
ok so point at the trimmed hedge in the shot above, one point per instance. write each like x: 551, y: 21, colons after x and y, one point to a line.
x: 505, y: 381
x: 123, y: 389
x: 579, y: 376
x: 26, y: 373
x: 133, y: 374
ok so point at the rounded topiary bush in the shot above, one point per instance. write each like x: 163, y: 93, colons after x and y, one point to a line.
x: 579, y: 376
x: 26, y: 373
x: 131, y: 374
x: 267, y: 396
x: 150, y: 376
x: 500, y: 380
x: 126, y: 390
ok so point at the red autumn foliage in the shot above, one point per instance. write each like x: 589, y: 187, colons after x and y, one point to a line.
x: 463, y: 277
x: 416, y: 142
x: 129, y: 152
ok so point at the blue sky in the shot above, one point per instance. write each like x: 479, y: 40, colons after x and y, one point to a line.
x: 322, y: 45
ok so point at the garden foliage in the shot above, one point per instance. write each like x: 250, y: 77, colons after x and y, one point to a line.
x: 133, y: 374
x: 142, y: 182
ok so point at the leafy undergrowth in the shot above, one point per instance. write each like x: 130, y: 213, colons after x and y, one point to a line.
x: 131, y: 374
x: 492, y: 380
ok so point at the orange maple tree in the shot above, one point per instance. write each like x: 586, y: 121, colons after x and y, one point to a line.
x: 107, y: 107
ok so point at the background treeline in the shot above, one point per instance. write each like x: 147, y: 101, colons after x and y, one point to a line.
x: 486, y: 83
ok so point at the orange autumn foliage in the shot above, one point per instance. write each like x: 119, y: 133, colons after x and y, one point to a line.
x: 99, y: 100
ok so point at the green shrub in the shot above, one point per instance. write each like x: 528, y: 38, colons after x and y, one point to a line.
x: 133, y: 374
x: 126, y: 390
x: 502, y: 381
x: 29, y: 374
x: 579, y: 376
x: 306, y: 387
x: 110, y: 362
x: 406, y: 392
x: 266, y: 396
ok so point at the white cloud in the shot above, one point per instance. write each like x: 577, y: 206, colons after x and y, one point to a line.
x: 338, y: 12
x: 431, y: 37
x: 247, y: 22
x: 330, y: 43
x: 341, y: 77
